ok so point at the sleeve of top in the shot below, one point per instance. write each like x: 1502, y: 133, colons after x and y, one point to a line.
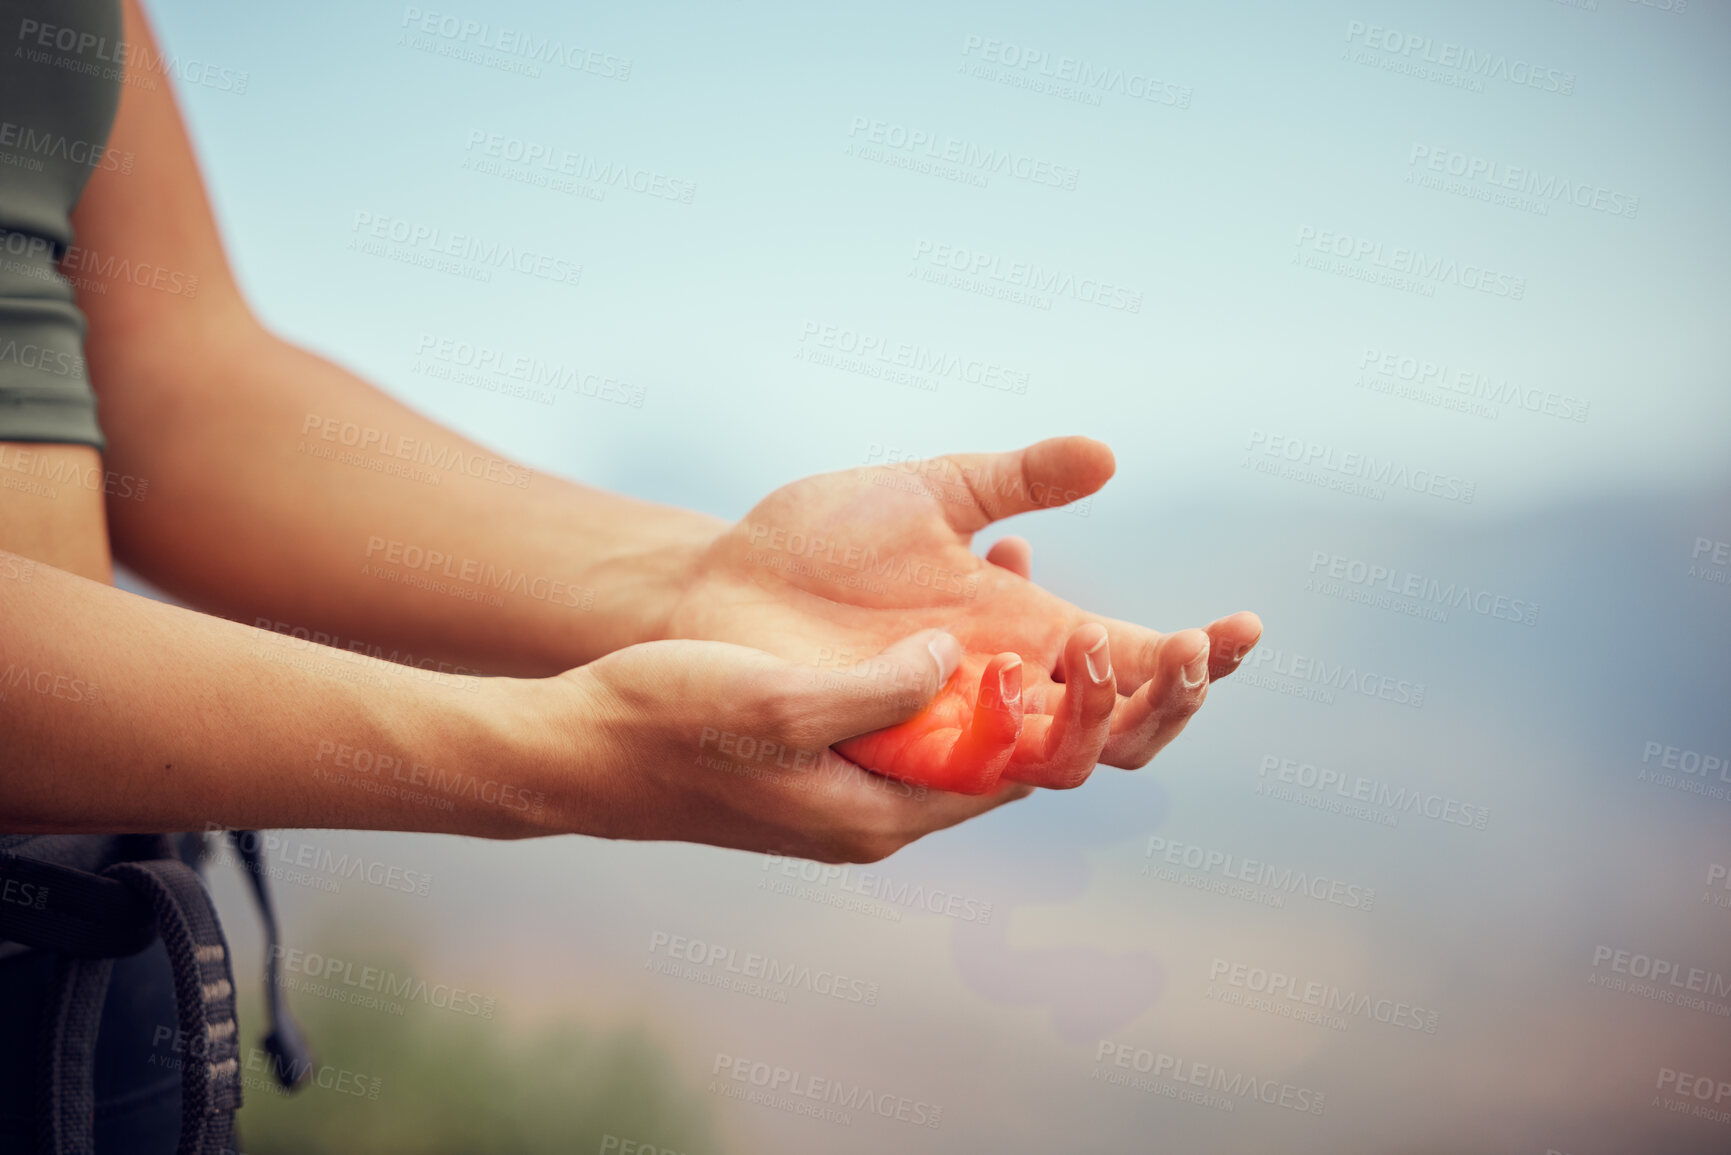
x: 59, y: 88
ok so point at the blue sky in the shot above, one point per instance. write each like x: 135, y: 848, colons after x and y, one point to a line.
x: 1302, y: 212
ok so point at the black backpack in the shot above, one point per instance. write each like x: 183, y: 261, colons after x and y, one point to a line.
x: 92, y: 898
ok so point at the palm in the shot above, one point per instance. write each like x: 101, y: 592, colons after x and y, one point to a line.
x: 961, y: 741
x: 832, y: 569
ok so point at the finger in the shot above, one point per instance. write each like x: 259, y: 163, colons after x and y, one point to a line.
x: 1060, y: 751
x: 879, y: 692
x: 1014, y: 554
x: 939, y: 809
x: 1159, y: 709
x: 1136, y: 650
x: 1230, y: 641
x: 899, y: 813
x: 985, y: 487
x: 982, y: 751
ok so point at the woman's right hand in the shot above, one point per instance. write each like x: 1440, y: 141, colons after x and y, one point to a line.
x: 722, y: 744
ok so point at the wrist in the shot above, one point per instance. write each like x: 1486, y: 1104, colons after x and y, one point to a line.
x: 465, y: 755
x: 635, y: 590
x: 548, y: 742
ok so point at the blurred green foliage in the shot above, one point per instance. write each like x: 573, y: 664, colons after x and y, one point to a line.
x: 451, y: 1084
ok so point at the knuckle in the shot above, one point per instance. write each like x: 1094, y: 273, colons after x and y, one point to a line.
x: 777, y: 705
x: 1144, y: 653
x: 869, y: 841
x: 1137, y: 754
x: 907, y: 699
x: 1097, y: 708
x: 1070, y: 777
x: 869, y: 848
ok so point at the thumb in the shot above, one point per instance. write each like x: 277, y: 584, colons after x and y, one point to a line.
x: 1045, y: 475
x: 890, y: 687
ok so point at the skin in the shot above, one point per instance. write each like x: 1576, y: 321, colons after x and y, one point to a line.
x: 626, y: 714
x: 799, y: 576
x: 962, y: 741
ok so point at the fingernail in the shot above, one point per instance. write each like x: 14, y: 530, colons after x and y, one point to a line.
x: 1097, y: 657
x: 1238, y: 654
x: 947, y: 652
x: 1010, y: 683
x: 1194, y: 674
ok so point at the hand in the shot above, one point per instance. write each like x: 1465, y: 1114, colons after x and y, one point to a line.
x: 717, y: 743
x: 829, y: 570
x: 963, y: 740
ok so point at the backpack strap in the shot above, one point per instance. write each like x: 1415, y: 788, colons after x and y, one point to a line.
x: 89, y: 920
x: 66, y: 1119
x: 291, y: 1058
x: 203, y: 995
x: 92, y: 900
x: 68, y: 911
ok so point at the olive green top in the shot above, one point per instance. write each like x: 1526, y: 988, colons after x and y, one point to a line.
x: 61, y: 65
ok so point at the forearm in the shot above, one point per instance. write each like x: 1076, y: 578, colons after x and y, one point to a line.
x: 125, y: 714
x: 284, y: 490
x: 211, y: 412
